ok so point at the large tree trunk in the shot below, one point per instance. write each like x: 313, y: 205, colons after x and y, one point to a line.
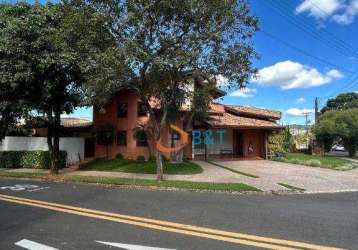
x: 53, y: 141
x: 350, y: 146
x: 157, y: 130
x: 352, y: 150
x: 159, y: 162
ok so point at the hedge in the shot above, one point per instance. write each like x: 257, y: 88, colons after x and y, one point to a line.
x: 29, y: 159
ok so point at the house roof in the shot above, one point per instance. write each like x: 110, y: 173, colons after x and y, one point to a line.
x: 231, y: 120
x: 72, y: 122
x: 253, y: 112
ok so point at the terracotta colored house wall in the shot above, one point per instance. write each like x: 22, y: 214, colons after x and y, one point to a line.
x: 127, y: 124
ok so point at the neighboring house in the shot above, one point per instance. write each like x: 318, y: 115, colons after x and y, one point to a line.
x: 245, y: 129
x: 75, y: 128
x: 71, y: 127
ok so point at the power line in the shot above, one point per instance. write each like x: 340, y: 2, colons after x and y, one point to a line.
x: 350, y: 84
x: 326, y: 13
x: 343, y: 43
x: 305, y: 52
x: 280, y: 10
x: 332, y: 37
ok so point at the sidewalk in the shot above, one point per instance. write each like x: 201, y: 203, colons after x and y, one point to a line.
x: 211, y: 173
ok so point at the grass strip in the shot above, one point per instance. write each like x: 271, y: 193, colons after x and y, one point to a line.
x: 293, y: 188
x: 239, y: 187
x: 233, y: 170
x: 233, y: 187
x: 21, y: 174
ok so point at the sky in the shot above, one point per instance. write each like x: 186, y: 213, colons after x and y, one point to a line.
x: 307, y: 49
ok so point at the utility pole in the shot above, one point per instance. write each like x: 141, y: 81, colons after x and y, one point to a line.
x: 315, y: 110
x: 306, y: 113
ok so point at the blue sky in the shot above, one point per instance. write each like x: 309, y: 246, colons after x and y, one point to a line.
x: 289, y: 79
x: 307, y: 48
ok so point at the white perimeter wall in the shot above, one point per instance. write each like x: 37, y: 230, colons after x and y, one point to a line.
x: 74, y: 146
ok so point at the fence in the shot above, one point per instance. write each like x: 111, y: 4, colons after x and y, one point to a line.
x: 74, y: 146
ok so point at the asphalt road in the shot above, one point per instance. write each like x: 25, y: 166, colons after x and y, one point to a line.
x: 323, y: 219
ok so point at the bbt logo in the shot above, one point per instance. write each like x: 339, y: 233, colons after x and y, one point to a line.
x: 184, y: 137
x: 206, y: 137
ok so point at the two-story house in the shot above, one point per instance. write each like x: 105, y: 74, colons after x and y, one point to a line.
x: 244, y: 130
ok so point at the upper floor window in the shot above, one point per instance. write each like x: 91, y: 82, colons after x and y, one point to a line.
x: 142, y: 109
x: 122, y: 138
x: 122, y: 110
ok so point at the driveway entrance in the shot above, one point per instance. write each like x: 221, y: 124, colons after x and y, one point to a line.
x: 309, y: 178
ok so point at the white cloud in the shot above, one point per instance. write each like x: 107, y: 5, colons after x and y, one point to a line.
x: 301, y: 100
x: 319, y: 8
x: 293, y: 75
x: 340, y: 11
x: 244, y: 93
x: 298, y: 112
x: 349, y: 13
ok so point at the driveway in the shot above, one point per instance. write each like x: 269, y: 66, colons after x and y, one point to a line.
x: 309, y: 178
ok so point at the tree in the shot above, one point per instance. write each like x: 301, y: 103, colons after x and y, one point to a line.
x: 55, y: 48
x: 13, y: 70
x: 166, y: 46
x: 280, y: 142
x: 339, y: 125
x: 105, y: 136
x: 341, y: 102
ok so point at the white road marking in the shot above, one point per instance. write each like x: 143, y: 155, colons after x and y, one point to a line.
x: 132, y: 247
x: 37, y: 189
x: 20, y: 187
x: 32, y: 245
x: 24, y: 187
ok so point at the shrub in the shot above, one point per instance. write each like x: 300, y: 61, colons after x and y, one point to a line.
x: 119, y: 156
x: 152, y: 158
x: 29, y: 159
x: 140, y: 158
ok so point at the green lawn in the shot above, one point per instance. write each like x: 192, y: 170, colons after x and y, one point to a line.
x: 331, y: 162
x: 237, y: 187
x: 231, y: 187
x: 143, y: 167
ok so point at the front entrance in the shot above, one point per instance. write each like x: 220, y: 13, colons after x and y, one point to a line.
x: 238, y: 143
x: 90, y: 147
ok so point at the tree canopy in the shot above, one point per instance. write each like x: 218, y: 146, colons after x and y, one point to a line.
x: 47, y: 53
x: 341, y: 126
x: 341, y: 102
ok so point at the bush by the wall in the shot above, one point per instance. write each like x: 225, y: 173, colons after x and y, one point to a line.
x: 119, y: 156
x: 140, y: 158
x: 29, y: 159
x: 152, y: 158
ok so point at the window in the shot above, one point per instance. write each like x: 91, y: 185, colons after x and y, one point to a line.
x: 142, y: 109
x: 141, y: 139
x: 122, y: 110
x: 174, y: 138
x: 122, y: 138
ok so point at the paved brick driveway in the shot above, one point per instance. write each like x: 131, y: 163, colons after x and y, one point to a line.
x: 310, y: 178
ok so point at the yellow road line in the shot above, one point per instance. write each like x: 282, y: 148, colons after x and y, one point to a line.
x: 239, y: 238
